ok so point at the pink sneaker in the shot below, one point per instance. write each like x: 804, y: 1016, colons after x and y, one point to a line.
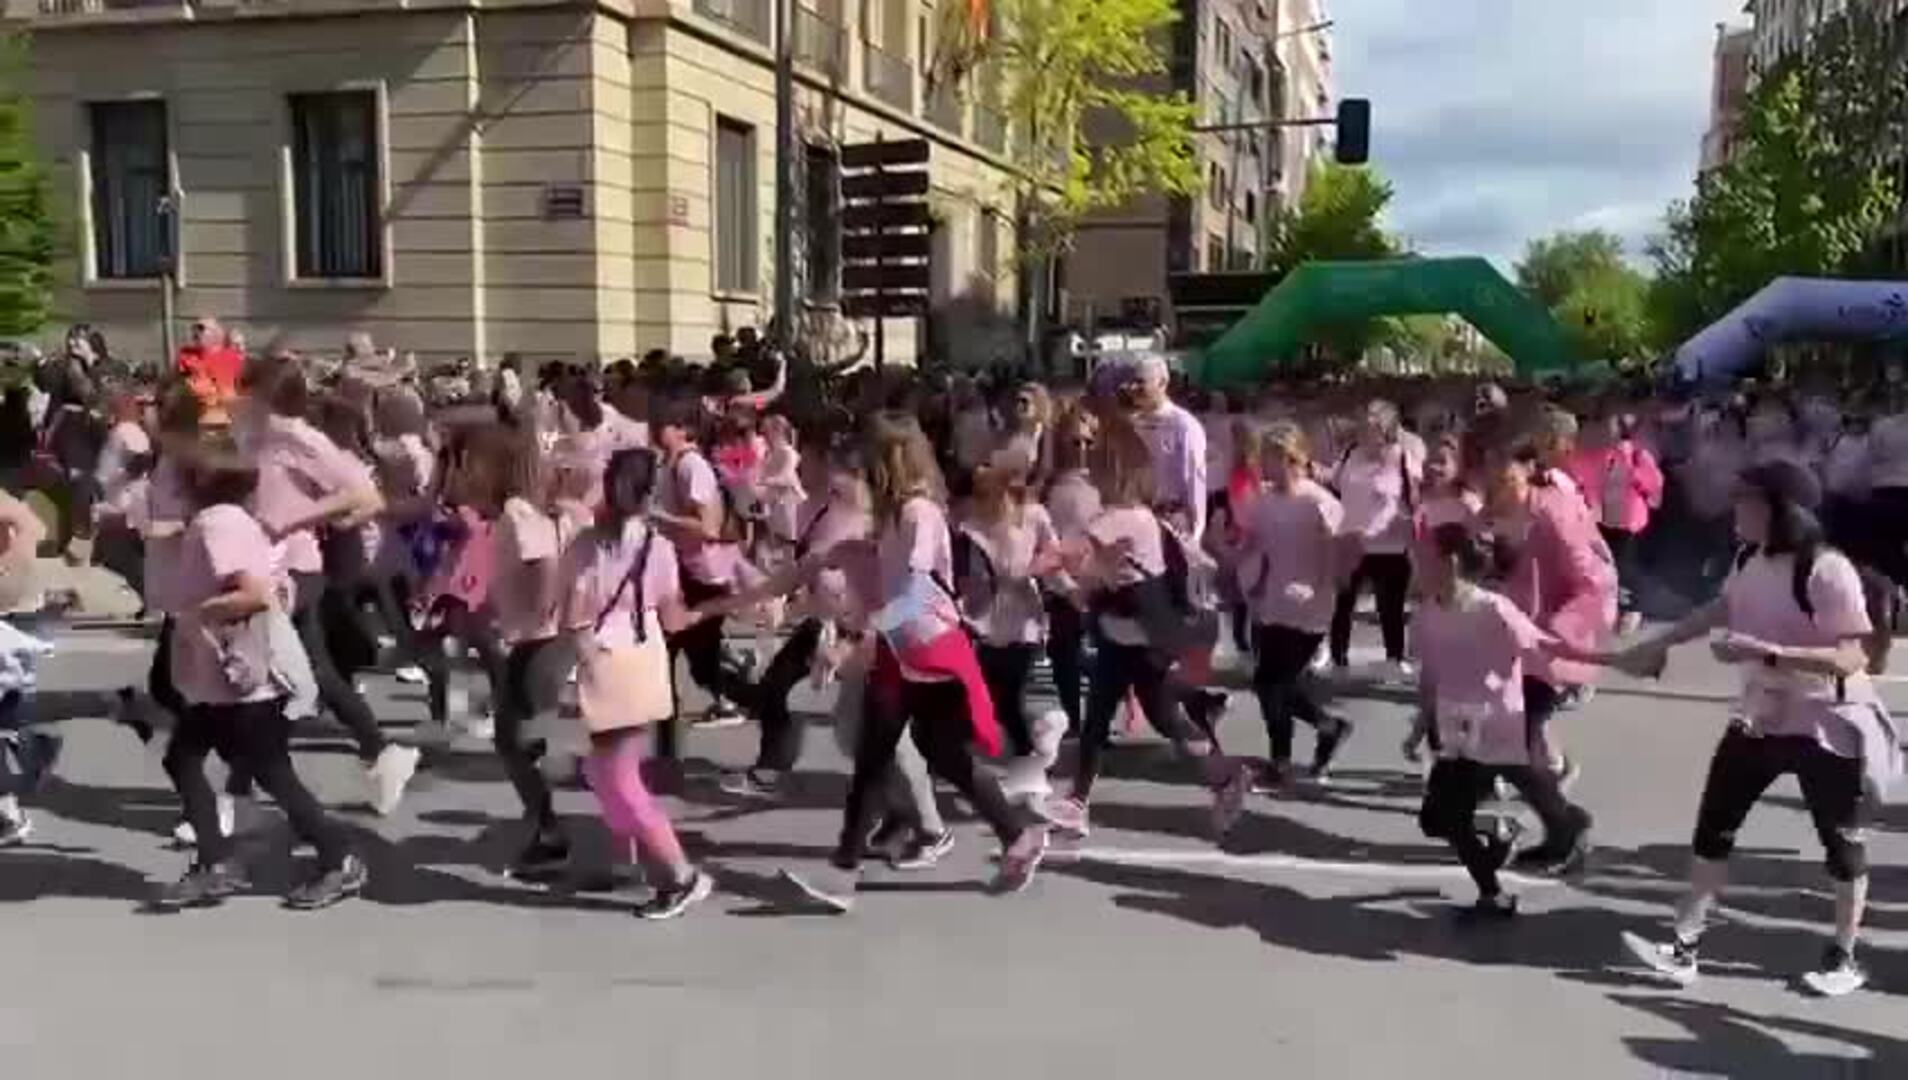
x: 1068, y: 815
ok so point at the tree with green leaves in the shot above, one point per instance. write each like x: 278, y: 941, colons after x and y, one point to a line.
x: 1340, y: 217
x: 27, y: 226
x: 1594, y: 293
x: 1812, y: 186
x: 1057, y: 70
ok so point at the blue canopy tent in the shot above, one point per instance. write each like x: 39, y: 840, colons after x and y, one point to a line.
x: 1792, y: 308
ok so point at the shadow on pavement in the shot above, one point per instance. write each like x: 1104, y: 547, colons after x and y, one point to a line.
x: 1727, y: 1041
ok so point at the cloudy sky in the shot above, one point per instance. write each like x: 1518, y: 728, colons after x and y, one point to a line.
x: 1500, y: 120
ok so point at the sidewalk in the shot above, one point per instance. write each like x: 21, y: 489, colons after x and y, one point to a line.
x: 102, y: 595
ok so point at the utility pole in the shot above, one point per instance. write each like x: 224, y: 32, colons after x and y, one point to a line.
x: 785, y: 153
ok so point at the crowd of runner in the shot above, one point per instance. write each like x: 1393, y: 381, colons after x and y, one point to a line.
x: 926, y: 546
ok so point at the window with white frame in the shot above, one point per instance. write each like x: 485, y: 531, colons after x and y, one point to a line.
x: 735, y: 202
x: 130, y: 175
x: 337, y: 195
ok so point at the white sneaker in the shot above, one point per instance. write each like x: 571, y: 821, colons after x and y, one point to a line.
x: 390, y: 775
x: 411, y: 674
x: 481, y: 728
x: 830, y: 887
x: 1395, y: 672
x: 185, y: 836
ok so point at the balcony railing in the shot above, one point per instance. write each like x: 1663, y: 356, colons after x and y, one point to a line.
x: 819, y: 41
x: 889, y: 78
x: 990, y: 128
x: 945, y: 108
x: 750, y: 18
x: 57, y: 8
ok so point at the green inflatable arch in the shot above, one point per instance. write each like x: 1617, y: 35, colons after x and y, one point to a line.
x: 1322, y: 293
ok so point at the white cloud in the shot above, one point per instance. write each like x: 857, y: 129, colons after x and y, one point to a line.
x: 1502, y: 120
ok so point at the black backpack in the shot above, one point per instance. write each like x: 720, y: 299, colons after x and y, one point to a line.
x: 1163, y: 604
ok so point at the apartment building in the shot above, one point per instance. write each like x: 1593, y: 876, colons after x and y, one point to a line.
x: 1728, y: 93
x: 1240, y: 61
x: 473, y: 179
x: 1783, y: 27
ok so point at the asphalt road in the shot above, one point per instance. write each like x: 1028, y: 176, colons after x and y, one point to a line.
x: 1317, y: 944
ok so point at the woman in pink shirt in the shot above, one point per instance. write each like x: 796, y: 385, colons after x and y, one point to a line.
x: 1559, y: 573
x: 926, y: 678
x: 1288, y: 571
x: 1072, y: 503
x: 307, y: 483
x: 623, y: 593
x: 1001, y: 553
x: 1377, y: 480
x: 528, y: 539
x: 227, y: 590
x: 454, y: 602
x: 1619, y: 477
x: 1791, y: 618
x: 1472, y: 645
x: 1123, y: 566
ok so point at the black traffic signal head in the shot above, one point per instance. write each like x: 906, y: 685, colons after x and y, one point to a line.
x: 1354, y: 131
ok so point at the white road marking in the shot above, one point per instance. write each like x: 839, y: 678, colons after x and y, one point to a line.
x: 1178, y: 857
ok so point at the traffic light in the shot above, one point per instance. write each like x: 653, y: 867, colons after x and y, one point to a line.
x: 1354, y: 131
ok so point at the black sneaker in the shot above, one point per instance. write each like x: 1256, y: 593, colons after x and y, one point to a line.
x: 202, y: 886
x: 752, y: 783
x: 888, y: 840
x: 542, y: 858
x: 1330, y: 741
x: 1838, y: 974
x: 1488, y: 910
x: 673, y: 901
x: 15, y: 831
x: 1554, y: 858
x: 923, y: 851
x: 330, y: 887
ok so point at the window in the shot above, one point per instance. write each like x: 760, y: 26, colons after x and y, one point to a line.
x: 1222, y: 43
x: 821, y: 196
x: 1251, y: 207
x: 1215, y: 255
x: 336, y: 195
x: 130, y: 176
x: 1216, y: 186
x: 735, y: 207
x: 987, y: 251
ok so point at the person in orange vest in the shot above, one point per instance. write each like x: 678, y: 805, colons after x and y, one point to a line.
x: 211, y: 364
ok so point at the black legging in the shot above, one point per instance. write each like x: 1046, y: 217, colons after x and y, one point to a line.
x: 1066, y: 655
x: 1279, y: 681
x: 1452, y: 794
x: 1563, y: 820
x: 534, y: 674
x: 254, y: 738
x: 1118, y: 670
x: 455, y: 621
x: 1007, y: 669
x: 334, y: 686
x: 701, y: 646
x: 783, y: 730
x: 1744, y: 766
x: 937, y: 713
x: 1390, y: 576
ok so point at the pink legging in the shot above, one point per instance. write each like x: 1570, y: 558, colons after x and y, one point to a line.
x: 614, y: 770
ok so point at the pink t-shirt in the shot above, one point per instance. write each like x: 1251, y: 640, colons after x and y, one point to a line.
x: 1564, y: 579
x: 1287, y: 562
x: 594, y: 568
x: 840, y: 592
x: 220, y: 542
x: 688, y: 485
x: 1376, y: 491
x: 779, y: 486
x: 165, y: 504
x: 1072, y: 502
x: 917, y: 542
x: 528, y: 544
x: 1131, y: 549
x: 1471, y: 664
x: 1005, y: 606
x: 299, y: 466
x: 1760, y: 600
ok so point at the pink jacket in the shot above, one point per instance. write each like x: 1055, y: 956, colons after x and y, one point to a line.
x: 1640, y: 493
x: 1565, y: 580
